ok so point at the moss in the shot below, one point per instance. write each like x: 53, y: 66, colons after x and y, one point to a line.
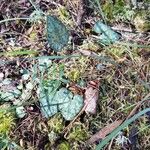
x: 108, y: 10
x: 6, y: 120
x: 74, y: 75
x: 117, y: 10
x: 141, y: 21
x: 78, y: 133
x: 116, y: 51
x: 63, y: 14
x: 77, y: 70
x: 64, y: 146
x: 120, y: 51
x: 90, y: 45
x: 56, y: 123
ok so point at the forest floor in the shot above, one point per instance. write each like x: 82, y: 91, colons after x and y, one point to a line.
x: 76, y: 81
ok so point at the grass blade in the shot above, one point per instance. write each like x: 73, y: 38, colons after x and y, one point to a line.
x: 122, y: 126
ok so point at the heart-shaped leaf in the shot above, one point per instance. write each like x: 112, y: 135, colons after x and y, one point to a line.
x: 53, y: 100
x: 71, y: 109
x: 63, y: 96
x: 47, y: 103
x: 107, y: 35
x: 57, y: 33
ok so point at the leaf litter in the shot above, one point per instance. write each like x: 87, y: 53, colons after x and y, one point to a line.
x: 104, y: 132
x: 88, y: 92
x: 91, y: 97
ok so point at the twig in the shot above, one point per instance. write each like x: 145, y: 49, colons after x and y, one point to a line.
x: 80, y: 13
x: 111, y: 142
x: 122, y: 29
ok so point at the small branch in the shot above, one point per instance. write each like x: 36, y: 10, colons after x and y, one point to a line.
x: 80, y: 13
x: 122, y: 29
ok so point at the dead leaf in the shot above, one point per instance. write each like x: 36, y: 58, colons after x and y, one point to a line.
x: 103, y: 132
x: 87, y: 52
x: 75, y: 89
x: 91, y: 97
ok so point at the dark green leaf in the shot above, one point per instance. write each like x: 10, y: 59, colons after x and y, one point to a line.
x: 57, y: 33
x: 47, y: 103
x: 72, y: 108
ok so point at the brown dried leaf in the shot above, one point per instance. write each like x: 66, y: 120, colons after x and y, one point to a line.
x: 91, y: 97
x: 103, y: 132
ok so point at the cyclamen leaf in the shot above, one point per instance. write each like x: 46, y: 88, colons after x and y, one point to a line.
x: 107, y: 35
x: 72, y: 108
x: 47, y: 108
x: 47, y: 103
x: 57, y: 33
x: 63, y: 96
x: 53, y: 100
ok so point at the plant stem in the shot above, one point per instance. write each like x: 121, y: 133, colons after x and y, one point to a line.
x: 101, y: 12
x: 13, y: 19
x: 35, y: 7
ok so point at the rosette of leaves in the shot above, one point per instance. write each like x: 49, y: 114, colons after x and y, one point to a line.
x: 52, y: 100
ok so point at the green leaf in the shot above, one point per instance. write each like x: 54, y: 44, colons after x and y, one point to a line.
x: 53, y: 100
x: 44, y: 63
x: 57, y: 33
x: 20, y: 111
x: 63, y: 96
x: 71, y: 109
x: 107, y: 35
x: 47, y: 92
